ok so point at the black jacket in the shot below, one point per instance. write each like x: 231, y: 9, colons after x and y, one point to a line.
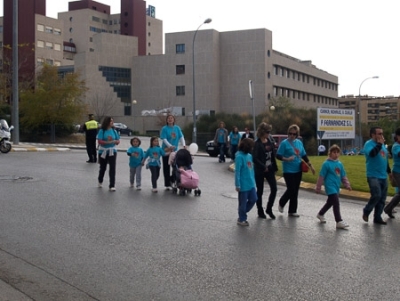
x: 263, y: 155
x: 251, y: 136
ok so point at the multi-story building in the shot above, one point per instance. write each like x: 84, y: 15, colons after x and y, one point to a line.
x: 370, y: 108
x: 121, y: 59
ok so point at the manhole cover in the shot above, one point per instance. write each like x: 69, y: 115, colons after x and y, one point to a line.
x: 15, y: 178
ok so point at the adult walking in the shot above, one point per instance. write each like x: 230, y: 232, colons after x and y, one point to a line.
x: 90, y: 128
x: 377, y: 165
x: 171, y: 135
x: 291, y: 152
x: 234, y: 139
x: 221, y: 139
x: 395, y: 175
x: 247, y: 134
x: 108, y: 139
x: 265, y: 167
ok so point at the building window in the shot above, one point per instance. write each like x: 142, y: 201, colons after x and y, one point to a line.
x: 149, y: 24
x: 49, y: 62
x: 71, y: 40
x: 40, y: 27
x: 40, y: 44
x: 105, y: 22
x: 268, y: 53
x: 57, y: 31
x: 149, y: 34
x: 91, y: 39
x: 49, y: 45
x: 180, y: 69
x: 40, y: 62
x: 70, y: 19
x: 70, y: 29
x: 269, y: 75
x: 149, y: 44
x: 180, y: 48
x: 91, y: 49
x: 96, y: 19
x: 57, y: 63
x: 49, y: 29
x: 180, y: 90
x: 57, y: 47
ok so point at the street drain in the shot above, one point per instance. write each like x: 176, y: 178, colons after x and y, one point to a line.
x: 15, y: 178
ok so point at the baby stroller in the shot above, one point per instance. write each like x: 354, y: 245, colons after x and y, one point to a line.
x: 183, y: 177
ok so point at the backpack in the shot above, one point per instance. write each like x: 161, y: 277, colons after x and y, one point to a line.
x: 189, y: 179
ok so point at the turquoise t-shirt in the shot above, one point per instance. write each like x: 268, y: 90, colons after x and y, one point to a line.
x: 138, y: 156
x: 244, y: 171
x: 377, y: 165
x: 154, y: 154
x: 173, y: 134
x: 333, y: 172
x: 287, y: 150
x: 396, y: 158
x: 108, y: 135
x: 234, y: 138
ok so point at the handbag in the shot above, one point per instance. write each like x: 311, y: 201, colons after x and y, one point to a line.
x: 392, y: 181
x: 304, y: 167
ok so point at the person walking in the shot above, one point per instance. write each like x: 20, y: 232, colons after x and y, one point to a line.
x: 154, y: 153
x: 395, y: 175
x: 221, y: 139
x: 332, y: 174
x: 377, y: 165
x: 90, y: 128
x: 136, y: 156
x: 291, y: 152
x: 265, y: 167
x: 234, y: 139
x: 244, y: 180
x: 171, y: 135
x: 247, y: 134
x: 108, y: 139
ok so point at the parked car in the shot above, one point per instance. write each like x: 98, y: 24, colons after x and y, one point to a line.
x: 122, y: 129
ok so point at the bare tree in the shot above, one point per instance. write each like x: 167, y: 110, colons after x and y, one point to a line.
x: 102, y: 104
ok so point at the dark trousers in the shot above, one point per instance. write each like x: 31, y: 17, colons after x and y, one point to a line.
x: 111, y: 160
x: 222, y: 151
x: 155, y: 174
x: 166, y: 171
x: 396, y: 199
x: 270, y: 177
x: 91, y: 149
x: 292, y: 181
x: 332, y: 201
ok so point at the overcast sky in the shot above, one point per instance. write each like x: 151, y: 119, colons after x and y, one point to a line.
x: 352, y: 39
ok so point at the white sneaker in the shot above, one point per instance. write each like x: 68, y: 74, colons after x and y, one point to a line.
x: 280, y: 209
x: 321, y: 218
x: 154, y: 190
x: 112, y: 188
x: 131, y: 185
x: 168, y: 188
x: 138, y: 188
x: 341, y: 225
x: 294, y: 214
x: 100, y: 185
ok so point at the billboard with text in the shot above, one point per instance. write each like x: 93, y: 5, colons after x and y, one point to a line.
x: 336, y: 123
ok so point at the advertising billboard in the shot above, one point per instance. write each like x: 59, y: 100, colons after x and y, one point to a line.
x: 336, y: 123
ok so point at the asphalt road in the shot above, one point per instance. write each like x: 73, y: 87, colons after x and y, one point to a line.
x: 63, y: 238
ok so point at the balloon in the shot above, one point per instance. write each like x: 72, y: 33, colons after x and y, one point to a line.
x: 193, y: 148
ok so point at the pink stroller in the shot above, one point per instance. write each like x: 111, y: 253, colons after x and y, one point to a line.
x: 184, y: 178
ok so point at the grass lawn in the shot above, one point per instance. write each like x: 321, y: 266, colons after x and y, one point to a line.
x: 354, y: 166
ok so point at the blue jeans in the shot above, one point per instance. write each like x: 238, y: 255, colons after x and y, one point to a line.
x: 247, y: 199
x: 222, y: 151
x: 378, y: 189
x: 234, y: 148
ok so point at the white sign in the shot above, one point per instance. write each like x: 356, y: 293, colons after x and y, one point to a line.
x: 336, y: 123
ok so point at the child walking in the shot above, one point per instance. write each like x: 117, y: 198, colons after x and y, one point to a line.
x: 154, y: 153
x: 332, y: 173
x: 136, y: 156
x: 244, y: 180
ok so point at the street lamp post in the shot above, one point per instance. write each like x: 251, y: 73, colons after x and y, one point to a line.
x: 359, y: 110
x: 208, y: 20
x: 134, y: 102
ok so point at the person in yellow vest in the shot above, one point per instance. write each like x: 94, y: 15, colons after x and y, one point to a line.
x: 90, y: 128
